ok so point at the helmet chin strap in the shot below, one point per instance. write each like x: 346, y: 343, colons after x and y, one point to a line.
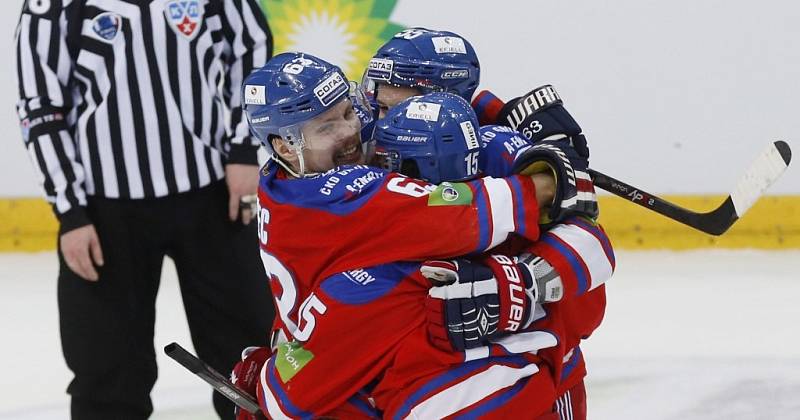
x: 297, y: 147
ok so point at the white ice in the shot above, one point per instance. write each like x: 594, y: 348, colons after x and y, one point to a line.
x: 691, y: 335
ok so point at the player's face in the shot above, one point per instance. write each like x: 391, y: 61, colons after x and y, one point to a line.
x: 333, y: 139
x: 388, y: 96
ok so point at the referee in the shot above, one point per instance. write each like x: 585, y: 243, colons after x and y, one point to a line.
x: 130, y: 113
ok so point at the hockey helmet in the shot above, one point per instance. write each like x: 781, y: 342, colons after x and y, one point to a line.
x: 433, y: 137
x: 432, y: 61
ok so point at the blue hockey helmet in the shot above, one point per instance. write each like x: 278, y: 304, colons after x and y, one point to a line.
x: 433, y: 137
x: 431, y: 61
x: 292, y: 89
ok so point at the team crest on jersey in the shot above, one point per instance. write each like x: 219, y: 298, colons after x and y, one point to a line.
x: 185, y: 17
x: 107, y: 25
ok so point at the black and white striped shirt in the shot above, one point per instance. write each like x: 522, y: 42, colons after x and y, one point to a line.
x: 135, y: 98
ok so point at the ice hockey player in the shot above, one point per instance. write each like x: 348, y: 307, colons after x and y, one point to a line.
x: 413, y: 62
x: 303, y: 99
x: 417, y: 61
x: 318, y: 218
x: 358, y: 311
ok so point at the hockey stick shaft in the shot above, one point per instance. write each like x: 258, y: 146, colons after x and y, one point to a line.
x: 764, y: 171
x: 661, y: 206
x: 217, y: 381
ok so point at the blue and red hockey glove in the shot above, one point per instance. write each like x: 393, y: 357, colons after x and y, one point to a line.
x: 473, y: 302
x: 557, y: 145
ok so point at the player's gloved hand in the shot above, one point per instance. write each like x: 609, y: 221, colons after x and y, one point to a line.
x: 463, y: 311
x: 472, y: 302
x: 245, y: 374
x: 558, y: 145
x: 568, y: 159
x: 538, y: 114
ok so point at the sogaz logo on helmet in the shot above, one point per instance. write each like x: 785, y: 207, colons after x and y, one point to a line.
x: 455, y: 74
x: 380, y: 69
x: 331, y: 89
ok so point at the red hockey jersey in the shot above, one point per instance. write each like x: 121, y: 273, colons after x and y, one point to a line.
x: 582, y: 254
x: 369, y: 335
x: 359, y: 216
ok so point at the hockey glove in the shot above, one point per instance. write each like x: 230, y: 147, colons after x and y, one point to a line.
x: 245, y: 375
x: 540, y: 116
x: 473, y: 302
x: 568, y: 159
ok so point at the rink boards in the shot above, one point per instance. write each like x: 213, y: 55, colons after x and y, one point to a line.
x: 773, y: 223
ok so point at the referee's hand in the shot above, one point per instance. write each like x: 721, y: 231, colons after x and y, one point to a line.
x: 242, y: 182
x: 81, y: 250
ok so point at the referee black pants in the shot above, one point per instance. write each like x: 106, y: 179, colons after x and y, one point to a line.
x: 107, y: 326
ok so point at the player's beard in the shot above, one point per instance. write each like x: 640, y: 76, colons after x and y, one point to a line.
x: 350, y: 153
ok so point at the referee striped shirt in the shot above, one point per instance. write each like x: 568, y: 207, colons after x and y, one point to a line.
x: 135, y: 99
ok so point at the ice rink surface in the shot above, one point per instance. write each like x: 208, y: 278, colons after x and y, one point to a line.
x: 690, y: 335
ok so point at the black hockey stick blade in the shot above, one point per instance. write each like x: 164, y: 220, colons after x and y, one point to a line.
x: 762, y: 173
x: 217, y: 381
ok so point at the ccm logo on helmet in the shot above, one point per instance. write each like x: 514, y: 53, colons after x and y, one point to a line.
x: 455, y: 74
x: 331, y: 89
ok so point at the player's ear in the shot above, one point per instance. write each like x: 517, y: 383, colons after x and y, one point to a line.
x: 286, y: 153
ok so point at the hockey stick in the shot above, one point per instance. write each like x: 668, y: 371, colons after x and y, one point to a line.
x: 220, y: 383
x: 764, y: 171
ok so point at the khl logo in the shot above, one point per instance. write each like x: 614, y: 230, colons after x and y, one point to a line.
x: 186, y: 16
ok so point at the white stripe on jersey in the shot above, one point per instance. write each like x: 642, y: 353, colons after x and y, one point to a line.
x: 60, y: 183
x: 91, y: 60
x: 470, y: 391
x: 125, y: 117
x: 525, y: 342
x: 464, y: 290
x: 502, y: 209
x: 175, y: 125
x: 26, y: 60
x: 83, y: 138
x: 569, y: 405
x: 583, y: 175
x: 564, y: 406
x: 77, y: 170
x: 476, y: 353
x: 43, y: 49
x: 589, y: 249
x: 273, y: 408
